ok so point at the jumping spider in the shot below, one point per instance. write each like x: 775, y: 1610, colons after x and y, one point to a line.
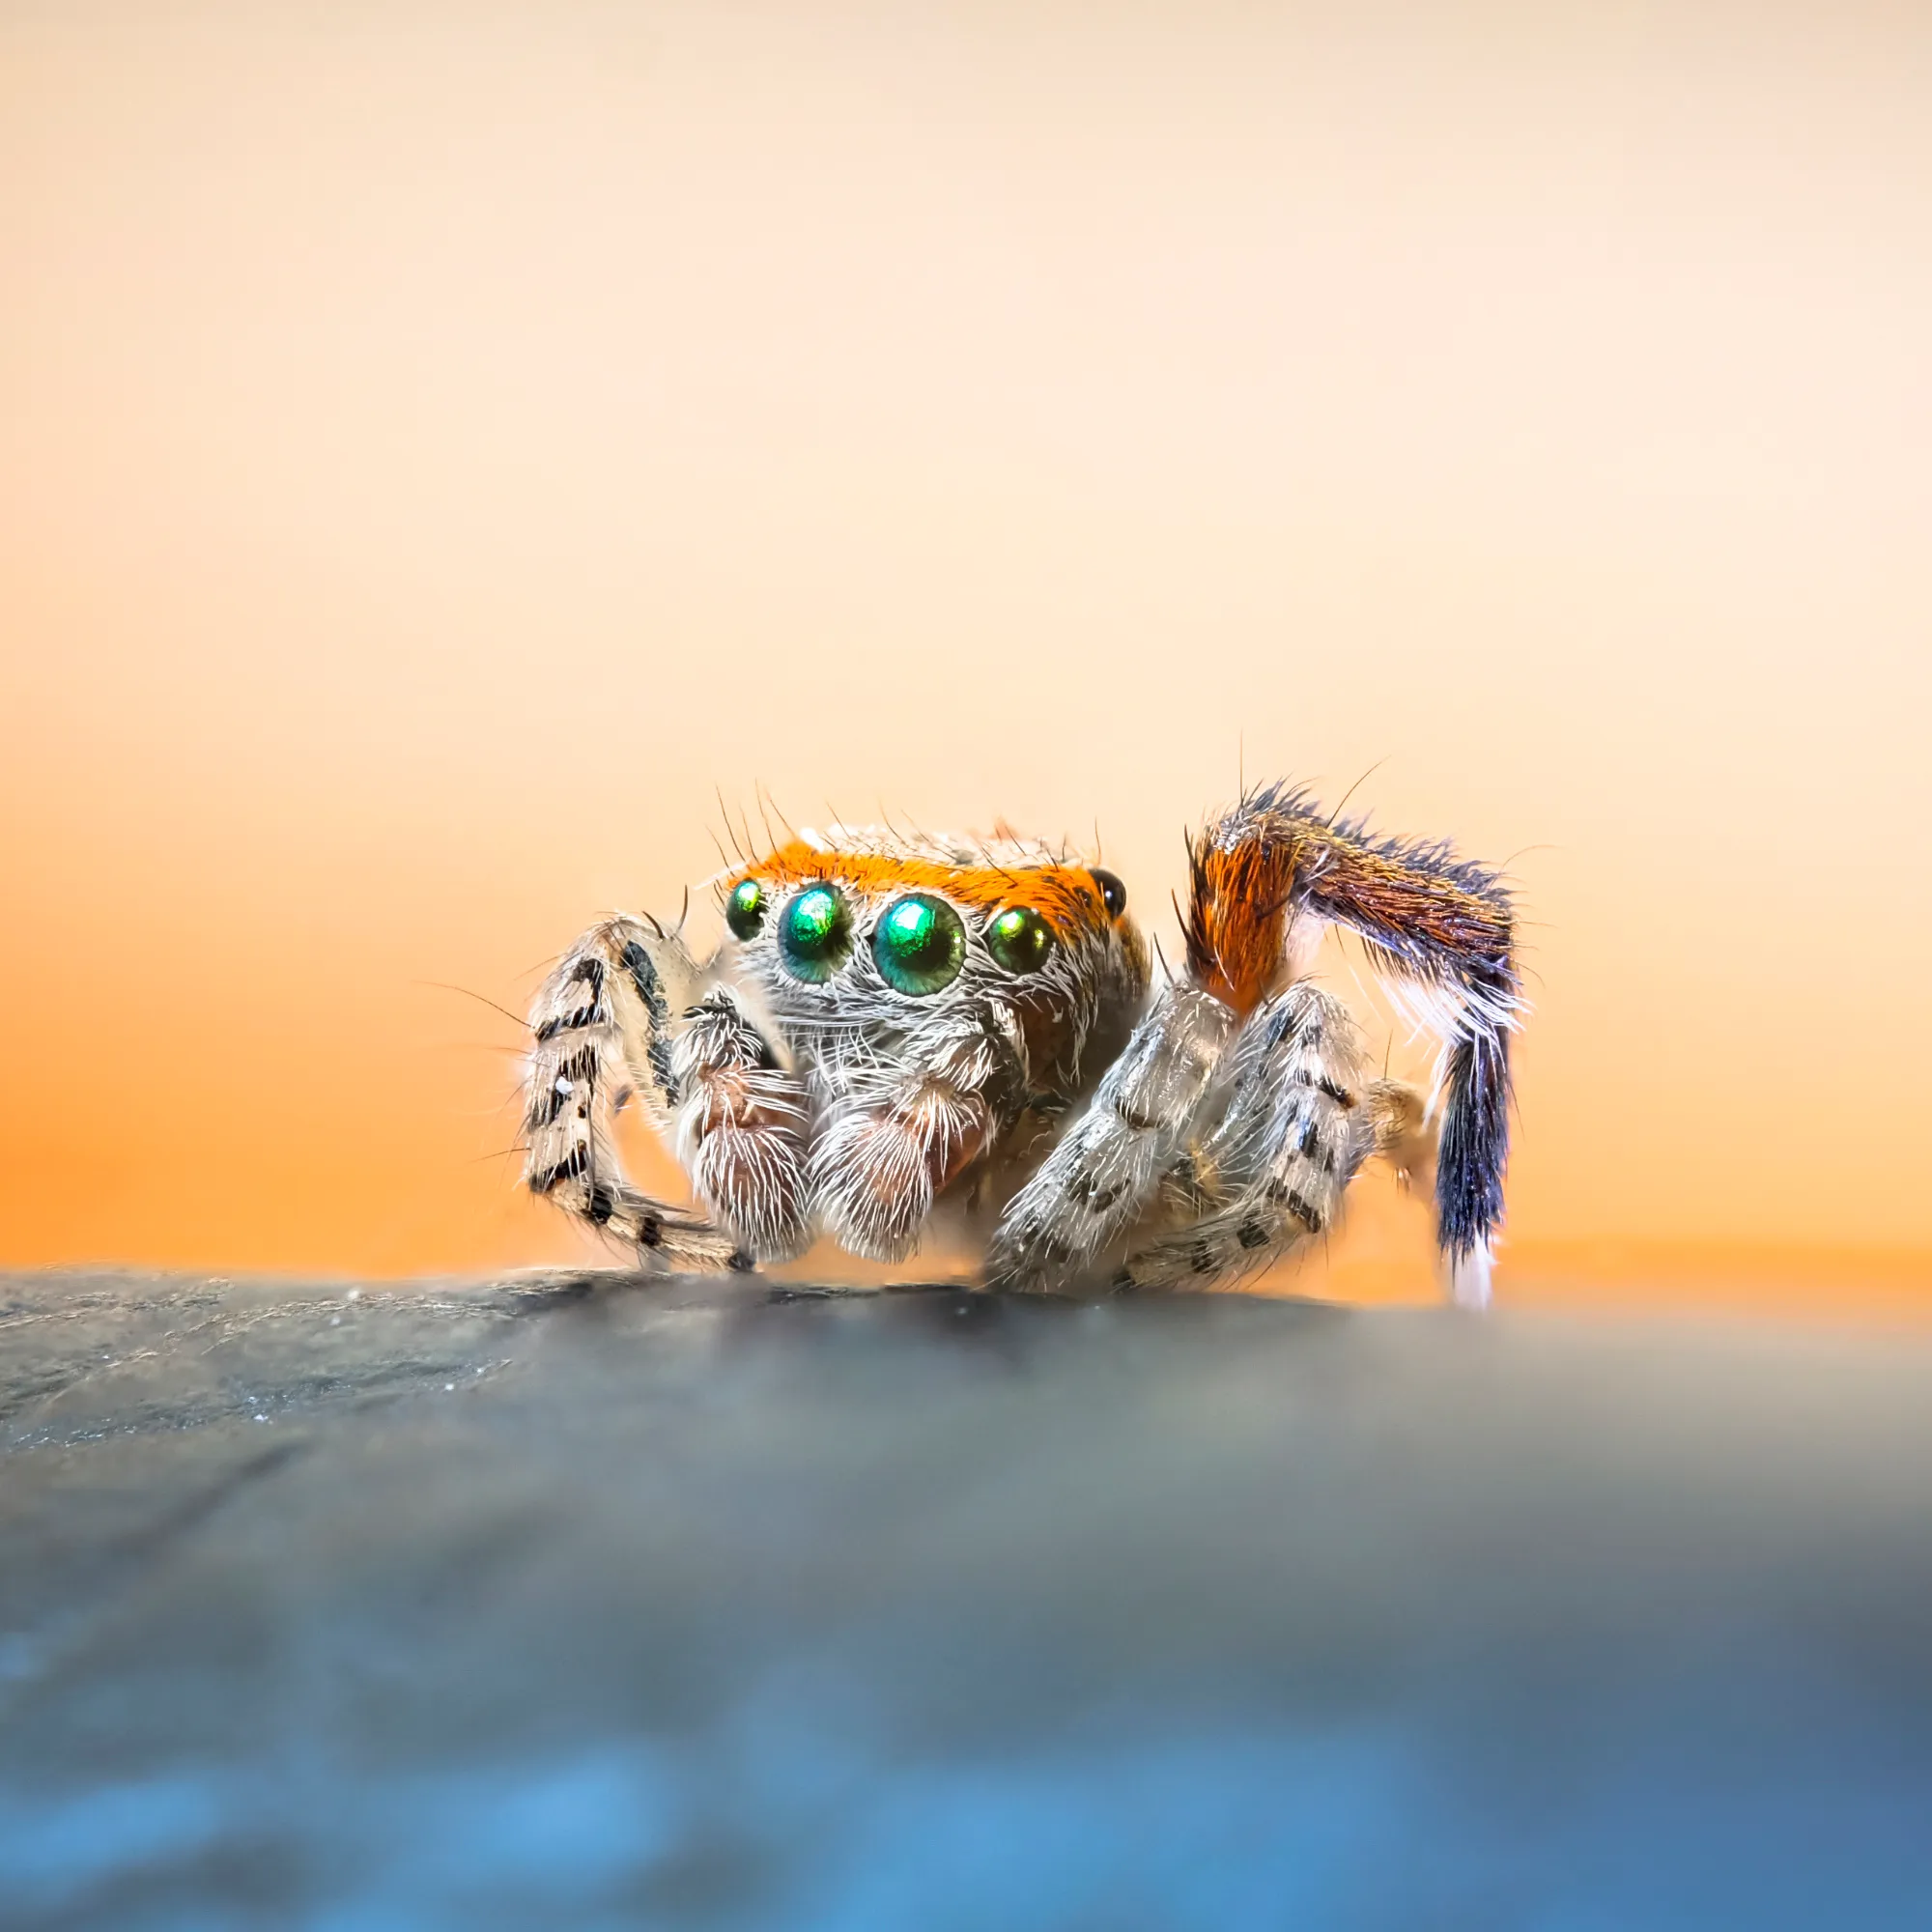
x: 896, y: 1020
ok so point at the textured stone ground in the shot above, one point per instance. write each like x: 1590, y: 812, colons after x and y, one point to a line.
x: 577, y: 1602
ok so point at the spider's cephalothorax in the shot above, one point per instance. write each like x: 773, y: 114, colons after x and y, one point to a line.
x: 896, y: 1019
x: 886, y: 1017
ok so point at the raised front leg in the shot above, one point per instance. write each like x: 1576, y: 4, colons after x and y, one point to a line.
x: 603, y: 1029
x: 1441, y: 930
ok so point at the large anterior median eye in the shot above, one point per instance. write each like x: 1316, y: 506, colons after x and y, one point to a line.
x: 815, y: 934
x: 745, y: 909
x: 920, y: 944
x: 1020, y: 940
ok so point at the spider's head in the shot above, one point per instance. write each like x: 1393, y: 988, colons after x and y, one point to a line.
x: 864, y: 941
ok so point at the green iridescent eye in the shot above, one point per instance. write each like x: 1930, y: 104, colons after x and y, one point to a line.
x: 745, y: 909
x: 1020, y: 940
x: 815, y: 934
x: 919, y: 944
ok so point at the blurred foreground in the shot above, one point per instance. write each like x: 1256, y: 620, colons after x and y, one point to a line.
x: 571, y: 1601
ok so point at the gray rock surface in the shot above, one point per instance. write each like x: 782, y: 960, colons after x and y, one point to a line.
x: 578, y: 1601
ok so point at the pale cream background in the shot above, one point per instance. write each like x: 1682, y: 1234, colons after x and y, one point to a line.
x: 444, y: 445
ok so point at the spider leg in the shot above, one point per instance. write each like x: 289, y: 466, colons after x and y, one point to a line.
x: 1295, y: 1125
x: 1100, y: 1175
x: 744, y: 1126
x: 602, y: 1015
x: 879, y: 1164
x: 1439, y: 928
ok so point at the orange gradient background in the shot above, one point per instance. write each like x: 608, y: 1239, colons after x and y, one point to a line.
x: 446, y: 448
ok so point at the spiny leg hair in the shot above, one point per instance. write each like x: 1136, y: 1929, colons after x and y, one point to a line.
x: 601, y: 1014
x: 1292, y: 1130
x: 1099, y: 1176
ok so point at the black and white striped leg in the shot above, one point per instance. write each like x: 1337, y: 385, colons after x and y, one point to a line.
x: 1099, y: 1178
x: 1295, y: 1126
x: 602, y: 1025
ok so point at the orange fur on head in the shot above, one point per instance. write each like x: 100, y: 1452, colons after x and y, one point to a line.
x: 1067, y: 897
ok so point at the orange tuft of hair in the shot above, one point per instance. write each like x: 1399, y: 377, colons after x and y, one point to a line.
x: 1235, y: 923
x: 1067, y: 897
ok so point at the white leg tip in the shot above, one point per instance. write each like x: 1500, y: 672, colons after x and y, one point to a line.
x: 1470, y: 1278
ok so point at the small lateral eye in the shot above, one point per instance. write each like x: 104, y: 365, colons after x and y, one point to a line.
x: 1113, y: 890
x: 919, y: 944
x: 1020, y: 940
x: 815, y: 934
x: 745, y: 909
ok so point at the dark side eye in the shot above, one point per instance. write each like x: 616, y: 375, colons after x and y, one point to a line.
x: 815, y: 934
x: 745, y: 909
x: 1113, y: 893
x: 919, y: 944
x: 1020, y: 940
